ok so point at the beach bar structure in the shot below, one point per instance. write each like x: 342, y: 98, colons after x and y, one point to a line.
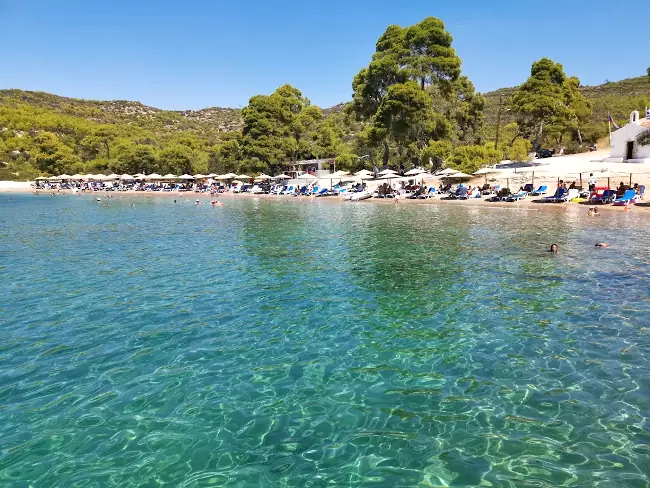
x: 313, y: 166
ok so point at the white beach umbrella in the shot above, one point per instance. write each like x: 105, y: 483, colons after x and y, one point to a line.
x: 243, y: 177
x: 54, y: 178
x: 126, y: 177
x: 414, y: 172
x: 139, y: 176
x: 364, y: 172
x: 200, y: 176
x: 211, y: 175
x: 169, y: 176
x: 154, y: 176
x: 387, y: 172
x: 282, y: 177
x: 447, y: 172
x: 262, y: 177
x: 186, y: 177
x: 338, y: 174
x: 307, y: 176
x: 112, y: 176
x: 65, y: 177
x: 42, y: 178
x: 485, y: 171
x: 459, y: 175
x: 76, y: 177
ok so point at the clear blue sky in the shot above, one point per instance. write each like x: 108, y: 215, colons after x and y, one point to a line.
x: 190, y: 54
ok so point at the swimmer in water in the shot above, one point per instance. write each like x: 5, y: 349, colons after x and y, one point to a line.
x: 602, y: 244
x: 216, y: 203
x: 198, y: 202
x: 553, y: 249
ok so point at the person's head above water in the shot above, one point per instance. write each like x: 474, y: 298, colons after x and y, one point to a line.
x: 553, y: 248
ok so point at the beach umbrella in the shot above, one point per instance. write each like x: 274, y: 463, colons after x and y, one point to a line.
x: 447, y: 172
x: 485, y: 171
x: 65, y: 177
x: 414, y: 172
x: 262, y: 177
x: 282, y: 177
x: 227, y: 176
x: 76, y: 177
x: 154, y: 176
x: 307, y: 176
x: 54, y: 178
x: 139, y: 176
x: 387, y: 172
x: 42, y: 178
x: 244, y: 177
x: 126, y: 177
x: 200, y: 176
x: 186, y: 177
x: 112, y: 176
x: 169, y: 176
x: 459, y: 175
x: 338, y: 174
x: 211, y: 175
x: 364, y: 172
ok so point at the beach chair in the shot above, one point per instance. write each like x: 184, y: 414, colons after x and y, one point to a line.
x: 606, y: 197
x: 627, y: 198
x: 559, y: 194
x: 569, y: 195
x: 540, y: 191
x: 288, y: 191
x: 517, y: 196
x: 428, y: 194
x: 491, y: 193
x: 461, y: 194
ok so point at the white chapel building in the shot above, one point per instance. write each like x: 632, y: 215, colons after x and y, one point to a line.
x: 624, y: 148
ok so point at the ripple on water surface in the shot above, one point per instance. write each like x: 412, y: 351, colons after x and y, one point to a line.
x: 286, y: 343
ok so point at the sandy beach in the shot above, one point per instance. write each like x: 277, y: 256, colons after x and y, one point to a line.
x: 531, y: 203
x: 544, y: 171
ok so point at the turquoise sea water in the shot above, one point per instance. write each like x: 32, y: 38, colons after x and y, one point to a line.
x: 317, y: 344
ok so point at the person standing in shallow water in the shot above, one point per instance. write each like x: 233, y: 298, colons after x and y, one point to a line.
x: 554, y: 249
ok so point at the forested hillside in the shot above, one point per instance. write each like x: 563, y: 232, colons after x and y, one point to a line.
x: 412, y: 105
x: 618, y: 98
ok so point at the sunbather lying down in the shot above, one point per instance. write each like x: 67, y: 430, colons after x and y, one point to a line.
x: 602, y: 244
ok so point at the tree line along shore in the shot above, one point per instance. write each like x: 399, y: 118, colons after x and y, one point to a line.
x: 411, y: 106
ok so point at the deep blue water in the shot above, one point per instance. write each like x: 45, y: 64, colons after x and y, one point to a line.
x: 317, y: 344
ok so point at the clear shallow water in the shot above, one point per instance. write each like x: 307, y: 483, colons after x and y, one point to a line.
x: 279, y: 343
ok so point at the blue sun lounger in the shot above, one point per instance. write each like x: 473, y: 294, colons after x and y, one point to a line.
x: 607, y: 197
x: 559, y: 195
x: 517, y: 196
x: 540, y: 191
x: 626, y: 199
